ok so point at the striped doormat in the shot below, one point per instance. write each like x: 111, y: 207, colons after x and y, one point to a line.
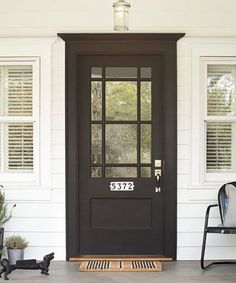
x: 120, y: 265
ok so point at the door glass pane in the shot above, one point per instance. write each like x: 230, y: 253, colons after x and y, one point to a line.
x: 121, y: 72
x: 221, y: 90
x: 146, y: 73
x: 121, y: 143
x: 96, y: 143
x: 96, y: 72
x: 145, y: 143
x: 146, y: 172
x: 146, y: 101
x: 121, y: 101
x: 96, y: 172
x: 96, y: 101
x: 123, y: 172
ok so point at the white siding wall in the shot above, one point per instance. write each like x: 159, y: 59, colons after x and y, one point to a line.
x: 40, y: 213
x: 42, y: 220
x: 193, y: 199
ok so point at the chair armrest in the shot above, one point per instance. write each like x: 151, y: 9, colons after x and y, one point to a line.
x: 208, y: 213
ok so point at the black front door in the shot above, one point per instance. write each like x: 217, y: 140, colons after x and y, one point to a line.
x: 121, y: 144
x: 120, y: 140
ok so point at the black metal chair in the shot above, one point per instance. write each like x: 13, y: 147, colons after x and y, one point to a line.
x: 221, y: 229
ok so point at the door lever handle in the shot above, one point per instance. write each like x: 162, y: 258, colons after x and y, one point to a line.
x: 158, y: 183
x: 158, y: 179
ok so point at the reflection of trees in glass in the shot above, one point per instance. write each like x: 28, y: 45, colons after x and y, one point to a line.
x: 121, y: 143
x: 145, y: 172
x: 220, y: 94
x: 127, y: 172
x: 121, y: 139
x: 96, y: 139
x: 145, y: 143
x: 146, y: 101
x: 96, y: 172
x: 96, y: 100
x: 121, y: 101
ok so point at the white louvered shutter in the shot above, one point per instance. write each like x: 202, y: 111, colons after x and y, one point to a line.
x: 20, y: 135
x: 17, y: 151
x: 20, y: 91
x: 1, y: 94
x: 219, y: 136
x: 20, y: 147
x: 220, y: 103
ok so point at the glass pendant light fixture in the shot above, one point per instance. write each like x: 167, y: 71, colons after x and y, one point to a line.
x: 121, y: 15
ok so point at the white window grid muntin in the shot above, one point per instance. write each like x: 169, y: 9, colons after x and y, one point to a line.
x: 22, y: 176
x: 204, y: 175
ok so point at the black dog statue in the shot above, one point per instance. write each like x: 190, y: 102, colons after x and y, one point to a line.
x: 30, y: 264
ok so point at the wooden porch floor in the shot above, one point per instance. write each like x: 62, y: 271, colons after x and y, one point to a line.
x: 177, y: 272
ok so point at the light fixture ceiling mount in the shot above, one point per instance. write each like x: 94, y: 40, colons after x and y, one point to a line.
x: 121, y: 15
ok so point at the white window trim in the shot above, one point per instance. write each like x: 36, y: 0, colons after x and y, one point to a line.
x: 204, y: 48
x: 204, y: 62
x: 26, y: 49
x: 33, y: 177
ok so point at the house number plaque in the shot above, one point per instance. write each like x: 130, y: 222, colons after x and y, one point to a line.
x: 121, y: 186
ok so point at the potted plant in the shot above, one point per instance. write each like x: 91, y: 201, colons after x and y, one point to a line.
x: 4, y: 216
x: 15, y: 248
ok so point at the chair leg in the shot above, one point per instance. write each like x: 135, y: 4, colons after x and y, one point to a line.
x: 203, y: 266
x: 203, y: 249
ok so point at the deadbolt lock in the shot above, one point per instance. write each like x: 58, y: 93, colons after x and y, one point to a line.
x: 157, y: 163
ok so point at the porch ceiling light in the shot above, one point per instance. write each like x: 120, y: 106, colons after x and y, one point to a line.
x: 121, y: 15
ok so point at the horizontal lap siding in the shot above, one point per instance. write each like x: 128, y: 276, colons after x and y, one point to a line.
x: 194, y: 239
x: 186, y: 211
x: 192, y: 202
x: 39, y: 210
x: 194, y: 253
x: 35, y: 225
x: 43, y: 239
x: 40, y: 214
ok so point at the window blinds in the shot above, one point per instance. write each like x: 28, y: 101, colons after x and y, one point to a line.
x: 220, y: 102
x: 16, y: 101
x: 220, y: 92
x: 20, y: 91
x: 219, y: 136
x: 20, y: 146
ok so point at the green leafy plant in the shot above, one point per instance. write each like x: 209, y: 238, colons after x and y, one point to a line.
x: 16, y: 242
x: 4, y: 215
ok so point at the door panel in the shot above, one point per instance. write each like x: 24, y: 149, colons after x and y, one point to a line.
x: 120, y: 133
x: 106, y: 213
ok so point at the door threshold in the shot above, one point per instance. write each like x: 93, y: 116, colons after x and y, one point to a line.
x: 120, y: 257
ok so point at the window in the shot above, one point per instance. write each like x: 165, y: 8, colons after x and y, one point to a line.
x: 19, y: 120
x: 25, y: 118
x: 219, y: 125
x: 207, y: 83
